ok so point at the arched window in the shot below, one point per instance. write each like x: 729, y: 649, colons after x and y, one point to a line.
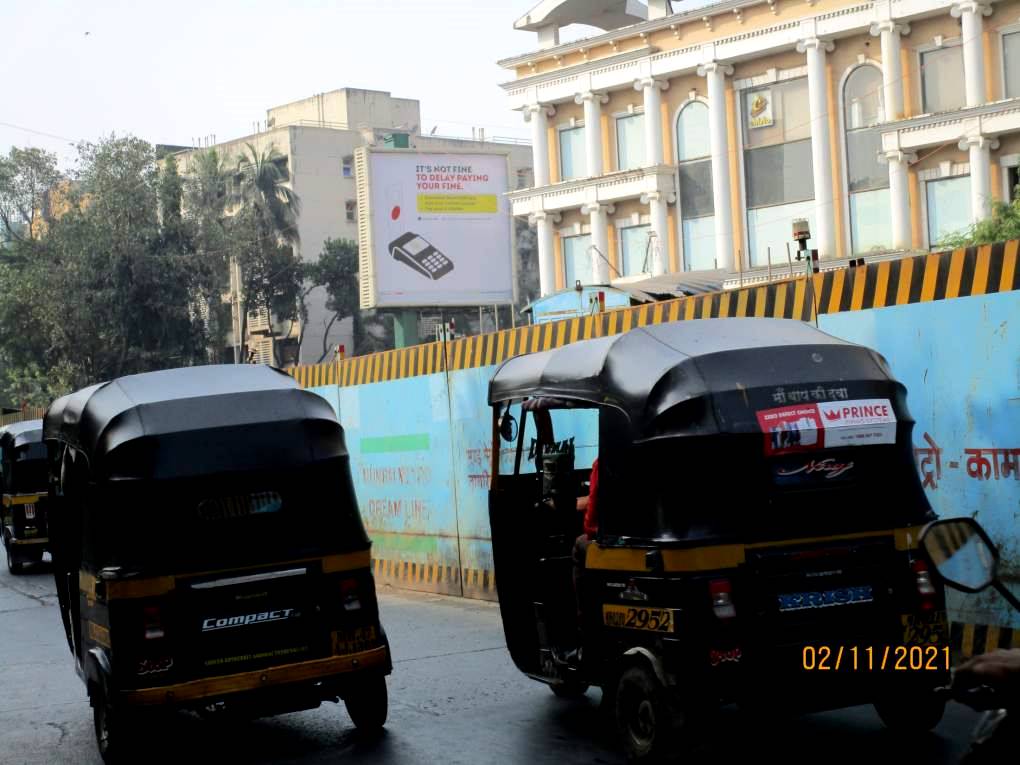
x: 697, y: 211
x: 867, y: 177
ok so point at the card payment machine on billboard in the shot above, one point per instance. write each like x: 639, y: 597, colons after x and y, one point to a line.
x: 420, y: 255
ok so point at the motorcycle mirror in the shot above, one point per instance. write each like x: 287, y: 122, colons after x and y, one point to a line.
x: 962, y: 553
x: 508, y: 427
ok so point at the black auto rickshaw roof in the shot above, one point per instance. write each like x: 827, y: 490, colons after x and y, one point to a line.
x: 21, y: 434
x: 648, y: 370
x: 196, y: 420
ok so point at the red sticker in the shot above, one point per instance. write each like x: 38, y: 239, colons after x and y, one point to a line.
x: 395, y: 212
x: 791, y: 429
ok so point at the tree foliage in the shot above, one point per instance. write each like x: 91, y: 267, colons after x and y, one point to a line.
x: 263, y: 233
x: 109, y: 289
x: 26, y: 177
x: 1001, y: 225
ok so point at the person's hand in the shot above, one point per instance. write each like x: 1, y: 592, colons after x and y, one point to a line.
x: 998, y: 669
x: 582, y: 504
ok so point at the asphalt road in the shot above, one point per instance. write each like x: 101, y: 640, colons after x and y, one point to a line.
x: 455, y: 697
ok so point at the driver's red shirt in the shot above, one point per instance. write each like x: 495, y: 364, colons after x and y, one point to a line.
x: 591, y: 518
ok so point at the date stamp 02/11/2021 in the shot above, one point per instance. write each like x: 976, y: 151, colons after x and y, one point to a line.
x: 880, y: 658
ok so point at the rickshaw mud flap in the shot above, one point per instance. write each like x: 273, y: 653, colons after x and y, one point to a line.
x: 147, y: 587
x: 376, y: 659
x: 716, y: 557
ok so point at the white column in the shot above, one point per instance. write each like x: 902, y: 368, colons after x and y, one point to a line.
x: 538, y: 115
x: 599, y: 218
x: 892, y: 77
x: 658, y: 202
x: 544, y: 222
x: 821, y: 144
x: 980, y: 175
x: 592, y: 129
x: 899, y: 197
x: 652, y: 91
x: 971, y: 14
x: 718, y: 137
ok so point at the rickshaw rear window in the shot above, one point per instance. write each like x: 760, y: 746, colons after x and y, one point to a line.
x: 222, y: 521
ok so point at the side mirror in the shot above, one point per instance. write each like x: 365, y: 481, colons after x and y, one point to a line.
x: 508, y: 427
x: 962, y: 553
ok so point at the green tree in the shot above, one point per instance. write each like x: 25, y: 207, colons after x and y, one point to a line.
x: 26, y: 177
x: 337, y: 271
x: 205, y: 202
x: 1001, y: 225
x: 264, y: 234
x: 109, y: 289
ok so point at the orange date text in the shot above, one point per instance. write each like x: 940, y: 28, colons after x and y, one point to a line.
x: 882, y: 658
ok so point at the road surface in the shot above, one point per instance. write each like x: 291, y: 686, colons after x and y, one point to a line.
x: 455, y: 697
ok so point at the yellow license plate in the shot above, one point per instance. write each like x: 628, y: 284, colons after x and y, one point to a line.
x: 354, y: 640
x: 638, y: 618
x: 929, y: 628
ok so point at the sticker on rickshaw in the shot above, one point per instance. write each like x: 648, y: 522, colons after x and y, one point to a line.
x: 354, y: 640
x: 649, y: 619
x: 827, y: 424
x: 928, y: 628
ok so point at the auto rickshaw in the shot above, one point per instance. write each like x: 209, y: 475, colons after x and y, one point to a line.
x: 759, y: 510
x: 23, y: 491
x: 208, y: 551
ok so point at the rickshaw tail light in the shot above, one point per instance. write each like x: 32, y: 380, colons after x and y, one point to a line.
x: 924, y: 586
x: 349, y: 594
x: 153, y: 621
x: 721, y: 591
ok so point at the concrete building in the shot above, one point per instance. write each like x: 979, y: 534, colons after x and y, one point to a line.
x: 317, y: 137
x: 677, y: 141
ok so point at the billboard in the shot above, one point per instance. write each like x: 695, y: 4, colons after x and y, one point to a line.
x: 434, y: 228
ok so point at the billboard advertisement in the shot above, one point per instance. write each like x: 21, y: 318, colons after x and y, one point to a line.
x: 438, y: 229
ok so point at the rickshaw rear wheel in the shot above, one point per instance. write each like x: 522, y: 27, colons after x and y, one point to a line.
x: 648, y: 720
x: 114, y: 727
x: 14, y: 565
x: 368, y: 704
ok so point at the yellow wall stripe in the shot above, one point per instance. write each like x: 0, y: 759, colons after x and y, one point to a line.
x: 952, y: 268
x: 1008, y: 266
x: 906, y: 274
x: 981, y: 267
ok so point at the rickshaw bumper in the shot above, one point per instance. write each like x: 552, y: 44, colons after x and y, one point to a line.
x: 325, y: 678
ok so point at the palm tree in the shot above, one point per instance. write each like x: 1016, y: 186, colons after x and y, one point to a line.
x: 262, y: 189
x: 261, y: 196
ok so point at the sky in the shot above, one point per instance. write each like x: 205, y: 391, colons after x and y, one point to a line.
x: 174, y: 71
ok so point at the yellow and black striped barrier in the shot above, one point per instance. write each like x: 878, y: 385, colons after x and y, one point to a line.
x: 435, y: 577
x: 919, y: 279
x: 973, y: 639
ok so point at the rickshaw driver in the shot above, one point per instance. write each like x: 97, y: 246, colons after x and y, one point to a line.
x: 587, y: 505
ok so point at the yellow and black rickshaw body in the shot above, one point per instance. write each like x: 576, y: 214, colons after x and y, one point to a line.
x: 759, y: 510
x: 23, y: 500
x: 208, y: 550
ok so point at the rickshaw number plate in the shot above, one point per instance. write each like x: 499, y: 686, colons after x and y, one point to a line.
x: 354, y: 640
x: 925, y: 629
x: 630, y: 617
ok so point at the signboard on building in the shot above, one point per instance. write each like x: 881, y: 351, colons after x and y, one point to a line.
x: 434, y: 228
x: 759, y: 109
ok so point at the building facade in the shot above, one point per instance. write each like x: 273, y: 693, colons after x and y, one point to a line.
x: 316, y: 138
x: 693, y: 140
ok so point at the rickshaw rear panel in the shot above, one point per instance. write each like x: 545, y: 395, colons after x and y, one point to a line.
x: 759, y: 511
x: 209, y: 549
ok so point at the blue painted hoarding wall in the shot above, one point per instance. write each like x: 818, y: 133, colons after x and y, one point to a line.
x: 421, y: 446
x: 960, y: 361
